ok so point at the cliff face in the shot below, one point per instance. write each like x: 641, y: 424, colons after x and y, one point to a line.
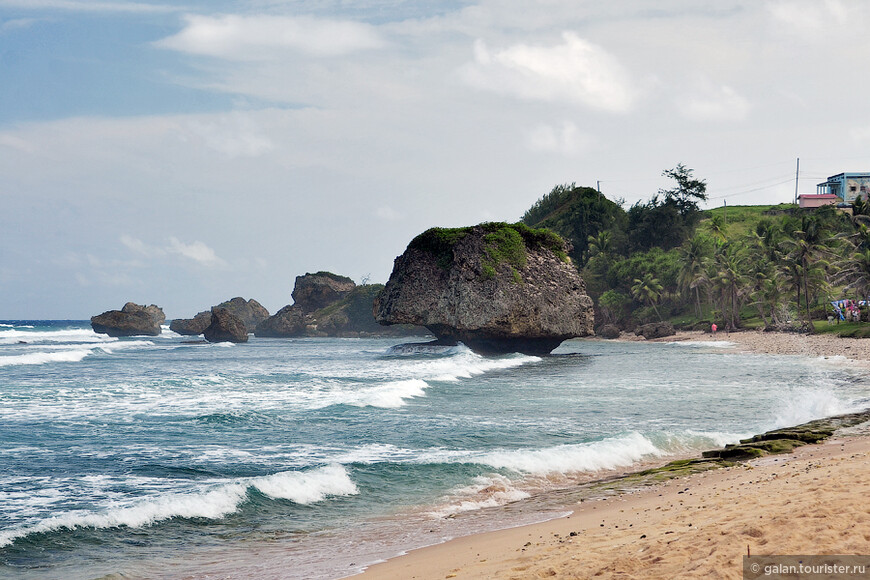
x: 315, y: 291
x: 495, y: 287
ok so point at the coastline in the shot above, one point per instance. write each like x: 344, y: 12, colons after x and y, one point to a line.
x: 777, y: 343
x: 699, y: 525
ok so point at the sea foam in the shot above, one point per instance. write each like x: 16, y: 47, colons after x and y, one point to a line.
x: 218, y: 501
x: 594, y: 456
x: 39, y: 358
x: 68, y: 352
x: 485, y: 491
x: 389, y: 395
x: 15, y: 336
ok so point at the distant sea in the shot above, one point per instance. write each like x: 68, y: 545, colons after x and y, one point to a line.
x: 152, y: 457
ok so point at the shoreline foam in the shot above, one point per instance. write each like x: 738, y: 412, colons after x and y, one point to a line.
x: 697, y: 525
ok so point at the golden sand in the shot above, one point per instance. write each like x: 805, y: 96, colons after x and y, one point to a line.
x: 813, y: 501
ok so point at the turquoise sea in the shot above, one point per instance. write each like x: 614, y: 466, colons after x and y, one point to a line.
x: 152, y: 457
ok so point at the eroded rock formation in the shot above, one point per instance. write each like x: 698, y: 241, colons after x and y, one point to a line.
x: 250, y: 312
x: 495, y: 287
x: 315, y: 291
x: 225, y: 327
x: 191, y: 326
x: 132, y: 320
x: 326, y: 304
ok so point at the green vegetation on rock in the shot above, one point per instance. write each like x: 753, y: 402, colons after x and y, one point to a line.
x: 504, y: 244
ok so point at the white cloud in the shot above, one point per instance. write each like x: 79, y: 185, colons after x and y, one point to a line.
x: 81, y: 6
x: 388, y: 214
x: 140, y: 247
x: 565, y: 140
x: 808, y: 18
x: 715, y: 104
x: 196, y: 251
x: 574, y: 71
x: 15, y: 142
x: 17, y: 24
x: 233, y: 135
x: 263, y: 37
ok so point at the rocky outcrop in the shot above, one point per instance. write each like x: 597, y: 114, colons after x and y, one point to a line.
x: 609, y: 331
x: 225, y: 327
x: 348, y: 316
x: 191, y: 326
x: 315, y: 291
x: 132, y: 320
x: 287, y: 322
x: 495, y: 287
x: 250, y: 311
x: 655, y: 330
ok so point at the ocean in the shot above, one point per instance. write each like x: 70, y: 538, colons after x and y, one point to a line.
x: 158, y: 457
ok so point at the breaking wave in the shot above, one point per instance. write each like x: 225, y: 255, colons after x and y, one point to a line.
x: 221, y: 500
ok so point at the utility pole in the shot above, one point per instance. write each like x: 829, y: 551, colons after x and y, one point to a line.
x: 598, y: 187
x: 797, y: 173
x: 725, y: 201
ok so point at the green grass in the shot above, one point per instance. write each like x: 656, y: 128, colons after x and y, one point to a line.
x: 741, y: 219
x: 844, y: 329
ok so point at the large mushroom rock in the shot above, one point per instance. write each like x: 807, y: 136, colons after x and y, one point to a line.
x: 288, y: 322
x: 315, y: 291
x: 191, y: 326
x: 225, y: 327
x: 250, y: 311
x: 132, y: 320
x: 495, y: 287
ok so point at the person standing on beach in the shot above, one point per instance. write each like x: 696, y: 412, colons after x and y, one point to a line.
x: 713, y: 328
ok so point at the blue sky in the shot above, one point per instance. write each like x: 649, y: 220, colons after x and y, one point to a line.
x: 182, y: 153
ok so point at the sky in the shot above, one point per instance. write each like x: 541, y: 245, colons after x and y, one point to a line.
x: 183, y: 153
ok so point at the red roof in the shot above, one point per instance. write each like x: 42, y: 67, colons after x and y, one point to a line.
x: 820, y: 195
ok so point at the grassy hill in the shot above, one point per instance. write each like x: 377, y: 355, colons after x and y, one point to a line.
x: 741, y: 219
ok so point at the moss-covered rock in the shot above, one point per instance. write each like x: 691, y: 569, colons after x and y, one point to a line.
x: 785, y: 440
x: 496, y: 287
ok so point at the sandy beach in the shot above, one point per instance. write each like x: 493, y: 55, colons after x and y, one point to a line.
x: 812, y: 501
x: 819, y: 345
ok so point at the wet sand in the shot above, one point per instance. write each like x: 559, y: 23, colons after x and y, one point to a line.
x: 812, y: 501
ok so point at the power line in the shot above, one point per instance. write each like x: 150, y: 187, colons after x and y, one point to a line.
x: 751, y: 190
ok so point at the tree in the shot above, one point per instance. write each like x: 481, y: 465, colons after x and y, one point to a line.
x: 687, y: 192
x: 612, y: 305
x: 804, y: 262
x: 729, y: 281
x: 647, y: 291
x: 576, y: 214
x: 693, y: 254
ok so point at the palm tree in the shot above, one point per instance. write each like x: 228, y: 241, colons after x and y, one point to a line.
x: 718, y: 227
x: 648, y: 291
x: 600, y: 244
x: 729, y: 281
x: 692, y: 254
x: 804, y: 262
